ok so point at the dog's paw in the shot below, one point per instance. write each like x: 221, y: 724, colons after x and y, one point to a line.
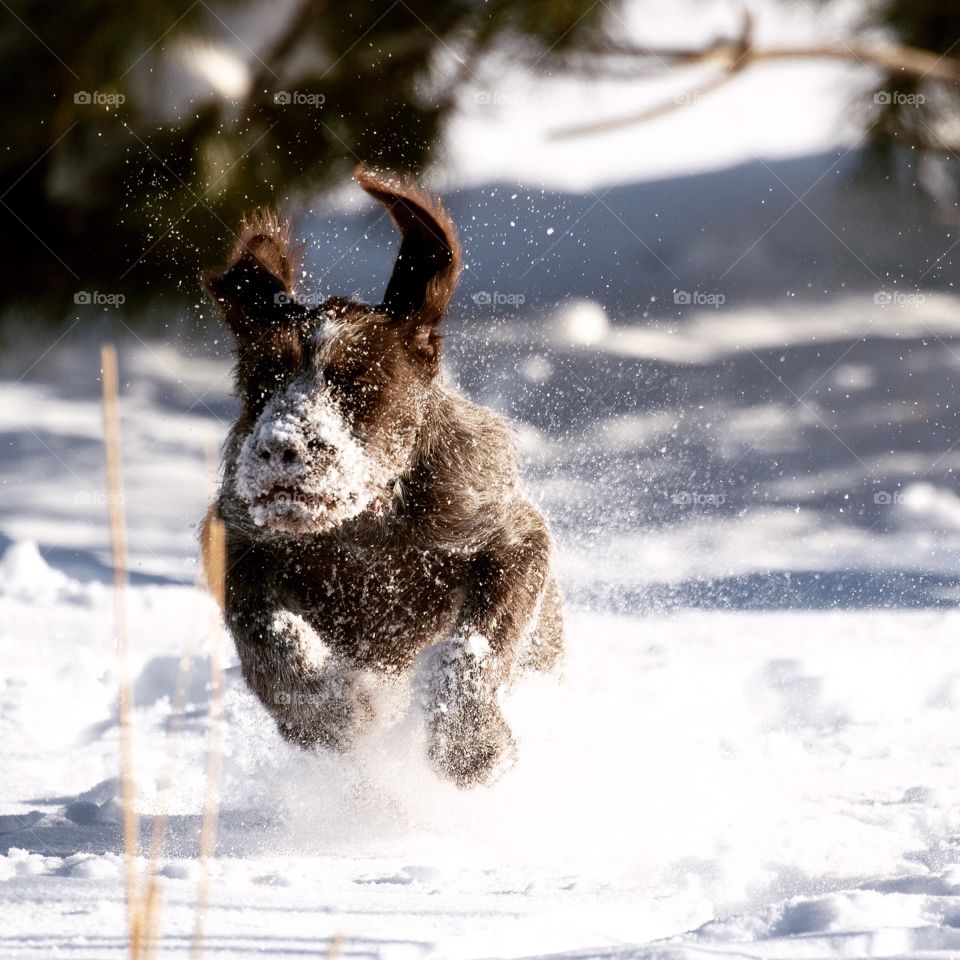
x: 469, y: 741
x: 328, y: 712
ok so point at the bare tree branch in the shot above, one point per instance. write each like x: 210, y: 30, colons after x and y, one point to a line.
x: 735, y: 56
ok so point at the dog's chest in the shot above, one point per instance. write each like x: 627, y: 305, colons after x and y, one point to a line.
x: 380, y: 604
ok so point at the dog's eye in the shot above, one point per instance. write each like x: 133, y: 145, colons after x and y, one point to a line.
x: 264, y: 387
x: 332, y: 378
x: 354, y: 389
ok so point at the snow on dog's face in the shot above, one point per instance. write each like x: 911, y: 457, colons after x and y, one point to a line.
x: 331, y: 440
x: 332, y: 397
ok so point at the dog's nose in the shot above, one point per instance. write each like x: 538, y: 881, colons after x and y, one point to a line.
x: 277, y: 451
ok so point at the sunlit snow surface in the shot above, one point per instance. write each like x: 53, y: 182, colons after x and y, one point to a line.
x: 754, y: 744
x: 753, y: 749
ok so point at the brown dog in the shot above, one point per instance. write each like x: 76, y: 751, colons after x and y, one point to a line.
x: 372, y: 512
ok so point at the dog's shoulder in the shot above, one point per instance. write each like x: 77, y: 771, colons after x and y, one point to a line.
x: 467, y: 474
x: 471, y: 442
x: 478, y: 438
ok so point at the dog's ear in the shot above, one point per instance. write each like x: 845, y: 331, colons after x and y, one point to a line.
x: 255, y: 290
x: 425, y: 275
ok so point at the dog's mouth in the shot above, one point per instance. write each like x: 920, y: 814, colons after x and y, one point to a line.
x: 293, y: 510
x: 281, y: 493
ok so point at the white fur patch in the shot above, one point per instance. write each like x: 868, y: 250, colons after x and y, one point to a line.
x: 310, y: 648
x: 478, y: 646
x: 324, y: 483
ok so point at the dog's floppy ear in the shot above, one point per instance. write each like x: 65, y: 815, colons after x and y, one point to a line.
x: 255, y: 290
x: 428, y: 265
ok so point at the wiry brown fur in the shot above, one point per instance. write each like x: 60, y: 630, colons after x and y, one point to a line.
x: 449, y: 551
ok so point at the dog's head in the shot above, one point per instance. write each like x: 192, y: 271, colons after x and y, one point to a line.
x: 333, y: 396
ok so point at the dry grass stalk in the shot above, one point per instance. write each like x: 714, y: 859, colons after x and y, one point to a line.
x: 152, y: 896
x: 214, y: 552
x: 152, y: 899
x: 131, y: 824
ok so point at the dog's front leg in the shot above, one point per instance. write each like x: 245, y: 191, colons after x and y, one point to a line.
x: 469, y: 740
x: 316, y: 697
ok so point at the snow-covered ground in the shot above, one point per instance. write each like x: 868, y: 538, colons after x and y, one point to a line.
x: 753, y: 748
x: 782, y: 784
